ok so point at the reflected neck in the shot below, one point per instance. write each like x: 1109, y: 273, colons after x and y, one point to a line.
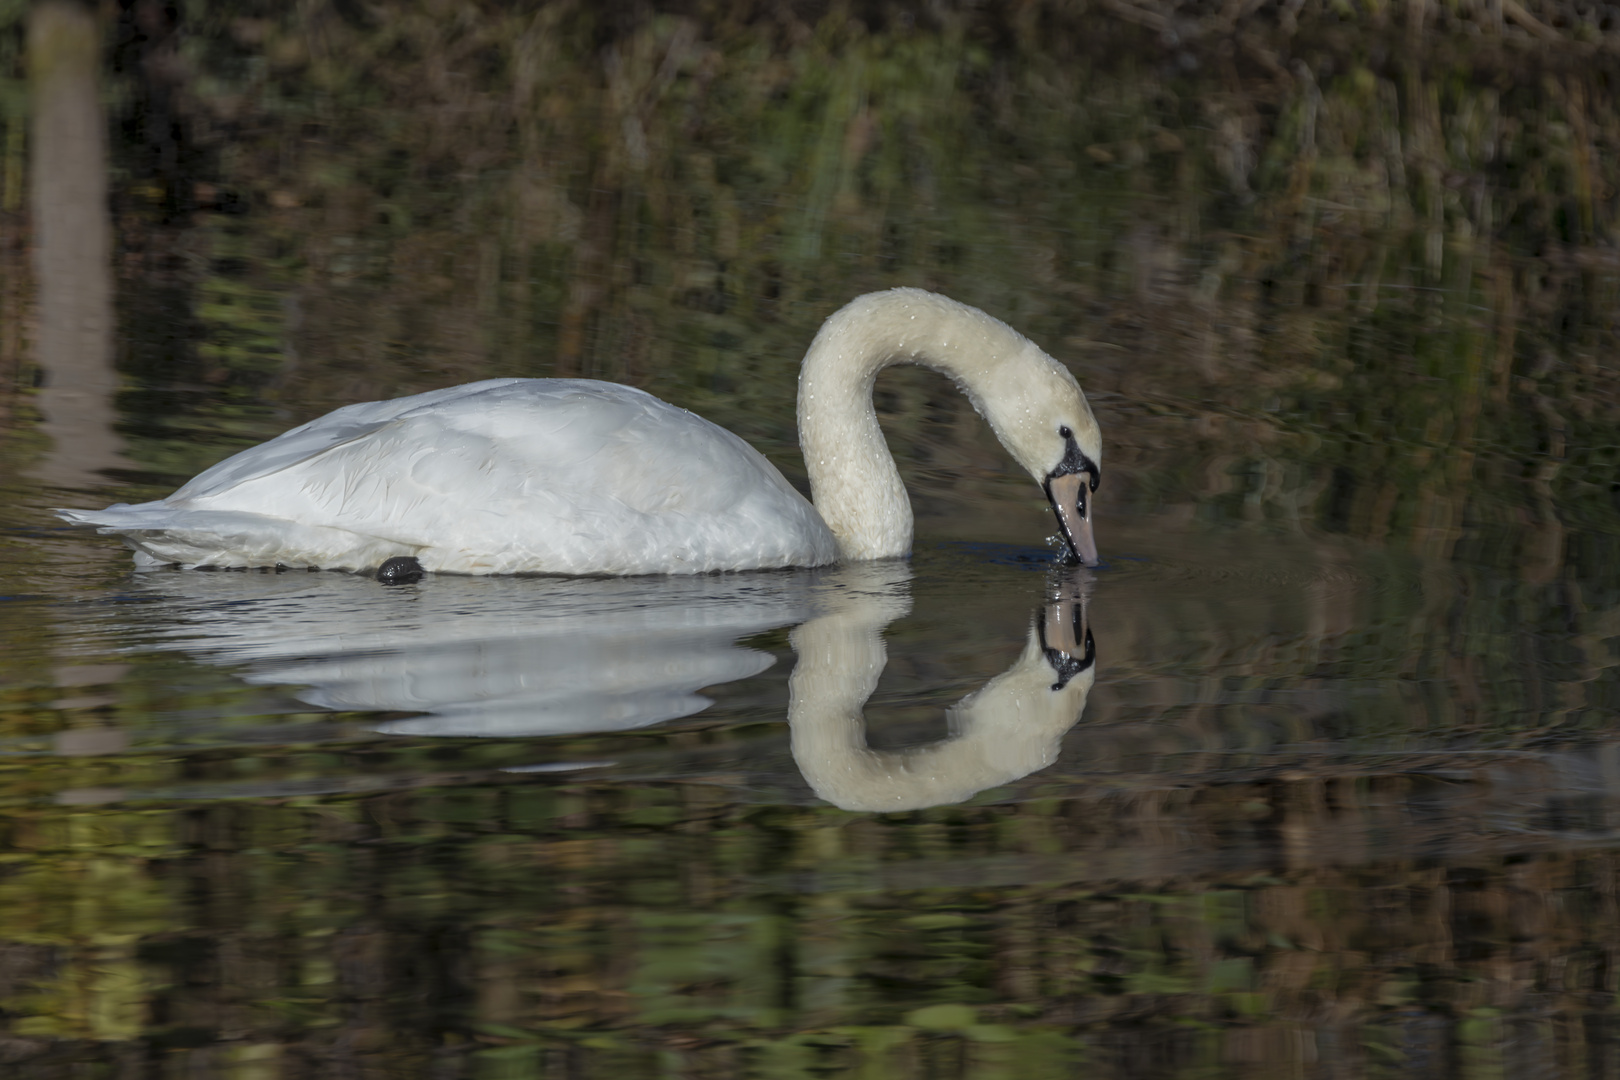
x: 853, y: 480
x: 1002, y: 732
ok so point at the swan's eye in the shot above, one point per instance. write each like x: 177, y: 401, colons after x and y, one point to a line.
x: 1065, y: 432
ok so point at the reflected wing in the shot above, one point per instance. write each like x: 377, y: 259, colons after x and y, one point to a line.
x: 481, y: 656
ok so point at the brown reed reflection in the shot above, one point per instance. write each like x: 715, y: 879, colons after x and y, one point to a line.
x: 1146, y: 931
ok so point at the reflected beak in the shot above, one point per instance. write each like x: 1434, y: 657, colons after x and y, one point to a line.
x: 1069, y: 498
x: 1066, y: 638
x: 1064, y: 628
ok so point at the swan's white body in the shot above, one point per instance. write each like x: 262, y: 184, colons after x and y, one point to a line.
x: 572, y: 476
x: 564, y: 476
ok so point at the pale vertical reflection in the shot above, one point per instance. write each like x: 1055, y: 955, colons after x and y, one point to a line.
x: 72, y: 234
x: 72, y: 245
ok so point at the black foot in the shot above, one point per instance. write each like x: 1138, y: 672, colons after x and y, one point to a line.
x: 400, y: 570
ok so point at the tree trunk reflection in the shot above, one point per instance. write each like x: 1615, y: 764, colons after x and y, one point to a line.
x: 72, y: 246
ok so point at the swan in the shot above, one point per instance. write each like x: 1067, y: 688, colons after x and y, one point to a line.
x: 575, y: 476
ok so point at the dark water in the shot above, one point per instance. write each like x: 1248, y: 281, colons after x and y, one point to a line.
x: 1332, y: 791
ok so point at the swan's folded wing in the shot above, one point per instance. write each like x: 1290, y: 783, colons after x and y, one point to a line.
x: 318, y: 436
x: 473, y: 469
x: 411, y: 481
x: 592, y: 442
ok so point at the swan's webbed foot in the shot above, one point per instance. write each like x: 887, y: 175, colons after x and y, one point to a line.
x: 400, y: 570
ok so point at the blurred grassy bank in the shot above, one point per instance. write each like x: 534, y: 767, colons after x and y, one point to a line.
x: 1351, y: 265
x: 1354, y: 265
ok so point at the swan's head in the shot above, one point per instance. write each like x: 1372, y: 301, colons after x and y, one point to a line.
x: 1041, y: 416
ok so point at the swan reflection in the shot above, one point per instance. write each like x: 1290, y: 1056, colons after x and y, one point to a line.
x: 505, y: 657
x: 514, y: 657
x: 1001, y: 732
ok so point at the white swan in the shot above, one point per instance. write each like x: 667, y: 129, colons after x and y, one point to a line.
x: 573, y: 476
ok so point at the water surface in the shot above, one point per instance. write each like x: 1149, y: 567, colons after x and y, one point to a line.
x: 1315, y: 775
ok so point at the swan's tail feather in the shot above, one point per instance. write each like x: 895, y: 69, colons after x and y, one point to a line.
x: 163, y: 535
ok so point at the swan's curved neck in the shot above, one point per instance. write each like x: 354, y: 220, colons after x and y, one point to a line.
x: 853, y: 480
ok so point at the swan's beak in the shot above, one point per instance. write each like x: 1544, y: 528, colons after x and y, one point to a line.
x: 1070, y: 498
